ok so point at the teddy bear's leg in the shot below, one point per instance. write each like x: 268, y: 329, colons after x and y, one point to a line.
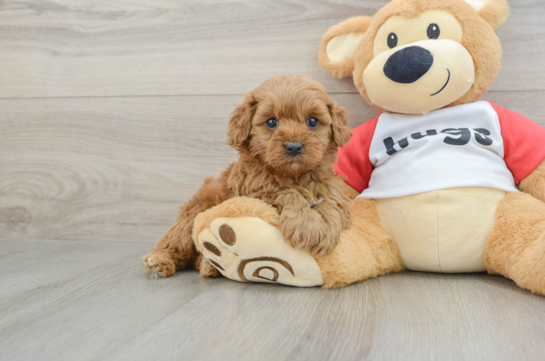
x: 366, y: 250
x: 516, y: 245
x: 241, y: 239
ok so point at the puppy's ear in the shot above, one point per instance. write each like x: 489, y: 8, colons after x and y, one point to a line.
x: 339, y: 125
x: 495, y: 12
x: 339, y: 45
x: 240, y: 123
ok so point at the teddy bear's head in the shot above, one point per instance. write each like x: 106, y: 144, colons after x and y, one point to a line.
x: 416, y: 56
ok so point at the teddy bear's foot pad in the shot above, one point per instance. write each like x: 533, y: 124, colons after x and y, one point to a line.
x: 248, y: 249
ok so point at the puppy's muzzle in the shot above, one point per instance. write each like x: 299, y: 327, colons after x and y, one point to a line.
x: 294, y: 149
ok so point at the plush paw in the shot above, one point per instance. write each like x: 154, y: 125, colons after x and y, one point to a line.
x: 208, y: 271
x: 158, y: 264
x: 248, y: 249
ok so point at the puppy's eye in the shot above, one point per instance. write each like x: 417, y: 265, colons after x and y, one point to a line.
x: 434, y: 31
x: 312, y: 123
x: 392, y: 40
x: 272, y: 123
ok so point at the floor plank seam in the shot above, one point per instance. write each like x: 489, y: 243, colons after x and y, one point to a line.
x: 215, y: 95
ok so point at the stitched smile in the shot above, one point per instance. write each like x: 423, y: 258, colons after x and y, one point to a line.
x: 444, y: 86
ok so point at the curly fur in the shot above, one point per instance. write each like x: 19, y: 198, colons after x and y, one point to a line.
x: 265, y: 171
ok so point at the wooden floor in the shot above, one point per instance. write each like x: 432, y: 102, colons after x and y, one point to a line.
x: 92, y: 301
x: 112, y: 113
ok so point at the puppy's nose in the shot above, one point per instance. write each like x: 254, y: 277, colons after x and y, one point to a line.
x: 408, y: 65
x: 294, y: 148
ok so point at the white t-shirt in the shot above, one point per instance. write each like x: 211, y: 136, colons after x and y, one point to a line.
x: 463, y: 146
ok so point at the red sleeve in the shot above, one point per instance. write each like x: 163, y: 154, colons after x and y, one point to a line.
x: 354, y: 162
x: 523, y: 142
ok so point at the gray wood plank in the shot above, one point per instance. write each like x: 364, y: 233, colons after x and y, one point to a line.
x: 111, y: 48
x: 107, y: 168
x: 93, y: 301
x: 117, y: 169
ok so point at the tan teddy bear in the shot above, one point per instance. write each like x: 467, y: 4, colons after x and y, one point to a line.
x: 442, y: 182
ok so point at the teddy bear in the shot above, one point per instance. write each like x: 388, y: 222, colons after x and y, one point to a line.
x: 441, y: 181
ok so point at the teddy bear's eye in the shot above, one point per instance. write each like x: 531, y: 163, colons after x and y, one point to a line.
x: 392, y: 40
x: 434, y: 31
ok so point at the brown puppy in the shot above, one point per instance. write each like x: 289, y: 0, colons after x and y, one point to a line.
x: 287, y: 133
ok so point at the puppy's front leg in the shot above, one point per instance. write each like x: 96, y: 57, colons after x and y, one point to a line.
x: 316, y: 230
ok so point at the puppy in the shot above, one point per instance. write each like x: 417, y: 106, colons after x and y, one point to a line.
x: 287, y: 133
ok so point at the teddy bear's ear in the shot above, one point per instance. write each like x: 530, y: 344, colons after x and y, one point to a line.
x: 495, y: 12
x: 339, y: 45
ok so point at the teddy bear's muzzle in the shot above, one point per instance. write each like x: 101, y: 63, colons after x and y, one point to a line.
x: 408, y: 65
x: 420, y: 77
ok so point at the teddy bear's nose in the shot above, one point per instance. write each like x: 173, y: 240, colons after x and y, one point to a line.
x: 408, y: 65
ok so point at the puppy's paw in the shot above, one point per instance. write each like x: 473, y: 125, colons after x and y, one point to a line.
x: 159, y: 264
x: 291, y: 235
x: 290, y: 200
x: 324, y: 247
x: 314, y: 244
x: 309, y: 233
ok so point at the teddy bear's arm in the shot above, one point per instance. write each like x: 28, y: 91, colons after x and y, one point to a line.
x: 534, y: 184
x: 524, y: 146
x: 349, y: 191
